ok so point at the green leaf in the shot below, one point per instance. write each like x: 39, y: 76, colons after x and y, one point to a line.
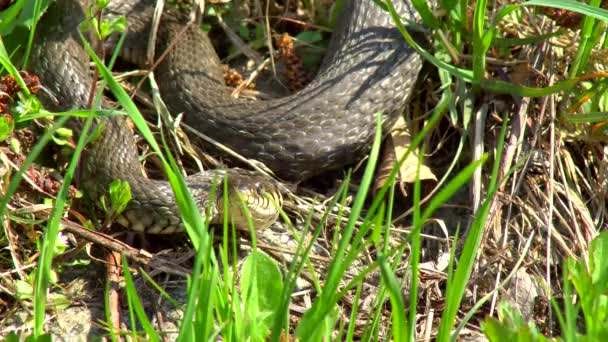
x: 101, y: 4
x: 65, y: 132
x: 61, y: 135
x: 496, y: 331
x: 7, y: 125
x: 244, y: 31
x: 40, y: 338
x: 96, y: 132
x: 579, y: 277
x: 510, y: 326
x: 597, y: 261
x: 27, y: 106
x: 120, y: 195
x: 260, y: 32
x: 61, y: 244
x: 211, y: 11
x: 58, y: 301
x: 8, y: 17
x: 109, y: 27
x: 12, y: 337
x: 15, y: 145
x: 261, y: 282
x: 310, y: 36
x: 510, y: 316
x: 23, y: 289
x: 586, y: 117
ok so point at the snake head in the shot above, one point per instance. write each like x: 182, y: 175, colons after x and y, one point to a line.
x: 252, y: 199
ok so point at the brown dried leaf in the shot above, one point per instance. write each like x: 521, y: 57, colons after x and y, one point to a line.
x: 522, y: 291
x: 395, y: 146
x: 520, y: 73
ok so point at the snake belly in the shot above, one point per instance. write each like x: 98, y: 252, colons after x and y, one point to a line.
x: 330, y: 123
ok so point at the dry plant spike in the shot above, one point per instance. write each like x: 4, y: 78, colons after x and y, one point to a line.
x: 295, y: 71
x: 151, y: 49
x: 234, y: 79
x: 395, y: 147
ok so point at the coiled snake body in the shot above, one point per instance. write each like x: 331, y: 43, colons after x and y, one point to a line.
x: 368, y: 68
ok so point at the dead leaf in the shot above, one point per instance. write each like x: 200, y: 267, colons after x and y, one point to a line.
x: 395, y: 147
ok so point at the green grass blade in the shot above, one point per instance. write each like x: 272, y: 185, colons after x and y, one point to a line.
x: 12, y: 70
x: 135, y: 303
x: 584, y: 118
x: 495, y: 85
x: 479, y: 45
x: 568, y: 320
x: 297, y: 266
x: 352, y: 323
x: 194, y: 224
x: 456, y: 288
x: 50, y: 237
x: 462, y: 73
x: 83, y: 113
x: 193, y: 221
x: 43, y: 272
x: 312, y: 320
x: 8, y: 16
x: 586, y: 42
x: 425, y: 13
x: 203, y: 325
x: 158, y: 288
x: 197, y: 295
x: 572, y: 5
x: 400, y: 331
x: 414, y: 259
x: 28, y: 47
x: 451, y: 188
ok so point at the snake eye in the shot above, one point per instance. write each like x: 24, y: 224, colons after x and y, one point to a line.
x: 260, y: 189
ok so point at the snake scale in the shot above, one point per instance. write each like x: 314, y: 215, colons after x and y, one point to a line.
x: 368, y: 68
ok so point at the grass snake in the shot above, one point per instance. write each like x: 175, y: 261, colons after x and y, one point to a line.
x: 368, y: 68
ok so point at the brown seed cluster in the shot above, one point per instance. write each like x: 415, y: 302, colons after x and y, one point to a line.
x: 45, y: 182
x: 234, y: 79
x: 563, y: 17
x: 9, y: 89
x: 40, y: 180
x: 295, y: 72
x: 567, y: 19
